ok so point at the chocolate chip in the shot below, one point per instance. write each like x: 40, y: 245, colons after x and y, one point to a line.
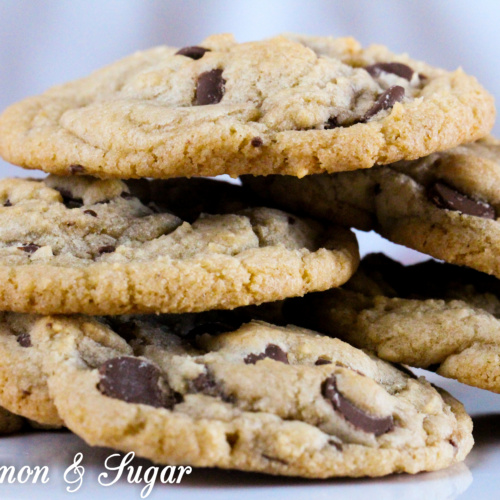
x: 127, y: 196
x: 331, y: 123
x: 322, y: 361
x: 7, y: 203
x: 443, y: 196
x: 76, y: 169
x: 272, y: 351
x: 210, y: 87
x: 257, y: 142
x: 291, y: 220
x: 106, y: 249
x: 193, y: 52
x: 24, y: 340
x: 136, y: 381
x: 90, y: 212
x: 29, y: 248
x: 354, y: 415
x: 396, y: 68
x: 386, y: 100
x: 205, y: 383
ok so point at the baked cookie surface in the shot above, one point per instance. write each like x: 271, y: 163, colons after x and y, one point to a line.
x: 280, y: 400
x: 446, y: 205
x: 430, y: 315
x: 83, y: 245
x: 292, y: 105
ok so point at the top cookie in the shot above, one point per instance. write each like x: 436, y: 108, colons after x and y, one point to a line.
x: 290, y: 105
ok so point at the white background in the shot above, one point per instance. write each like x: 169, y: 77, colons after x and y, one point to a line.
x: 49, y: 42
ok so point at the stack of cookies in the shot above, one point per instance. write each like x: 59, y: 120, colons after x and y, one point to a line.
x: 153, y: 312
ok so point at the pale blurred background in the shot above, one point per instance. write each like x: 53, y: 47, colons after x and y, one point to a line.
x: 49, y: 42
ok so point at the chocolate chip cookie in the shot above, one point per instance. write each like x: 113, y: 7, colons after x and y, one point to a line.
x: 292, y: 105
x: 82, y: 245
x: 430, y: 315
x: 446, y: 205
x: 279, y: 400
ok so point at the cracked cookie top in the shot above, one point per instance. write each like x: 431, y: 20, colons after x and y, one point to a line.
x: 291, y: 105
x: 259, y: 397
x: 81, y: 244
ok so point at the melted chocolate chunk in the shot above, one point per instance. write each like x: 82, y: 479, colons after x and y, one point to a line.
x: 76, y: 169
x: 257, y: 142
x: 193, y: 52
x: 136, y: 381
x: 29, y: 248
x: 443, y: 196
x: 210, y: 87
x: 322, y: 361
x: 205, y: 383
x: 396, y: 68
x: 386, y: 100
x: 331, y: 123
x: 7, y: 203
x: 272, y: 351
x: 354, y: 415
x: 90, y: 212
x: 106, y: 249
x: 24, y: 340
